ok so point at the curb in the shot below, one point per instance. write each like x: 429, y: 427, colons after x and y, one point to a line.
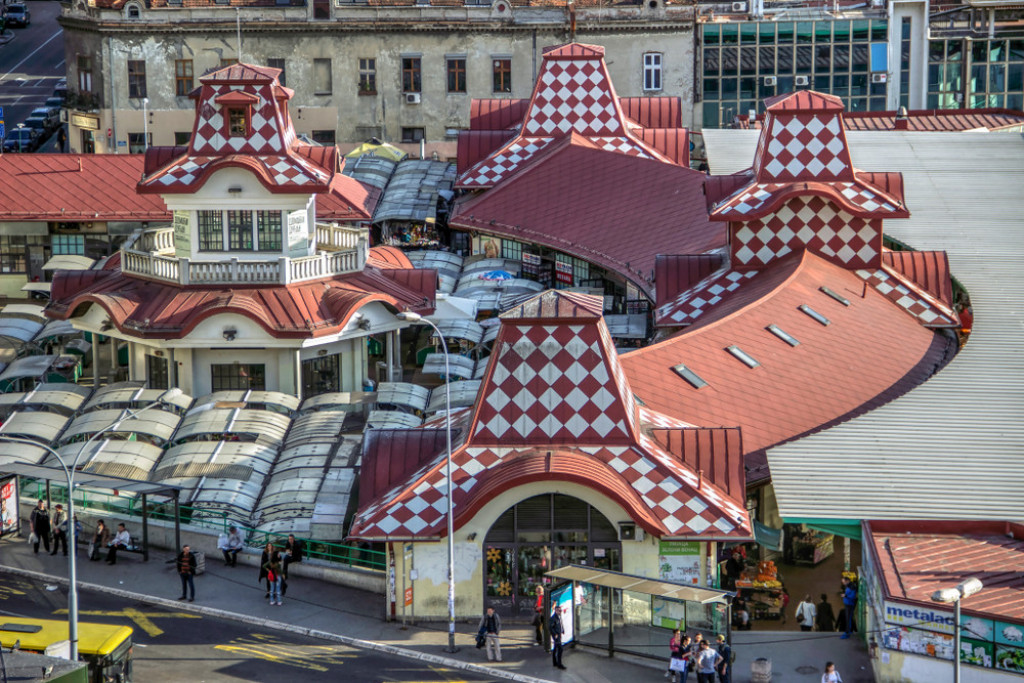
x: 281, y: 626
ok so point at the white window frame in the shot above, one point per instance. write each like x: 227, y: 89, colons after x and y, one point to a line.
x: 652, y: 71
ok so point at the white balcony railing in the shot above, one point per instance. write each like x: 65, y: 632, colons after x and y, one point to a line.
x: 149, y: 254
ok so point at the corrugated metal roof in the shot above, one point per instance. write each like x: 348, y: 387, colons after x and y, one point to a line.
x: 413, y: 191
x: 951, y: 448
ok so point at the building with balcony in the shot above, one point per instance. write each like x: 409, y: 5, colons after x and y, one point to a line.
x: 246, y: 290
x: 398, y: 70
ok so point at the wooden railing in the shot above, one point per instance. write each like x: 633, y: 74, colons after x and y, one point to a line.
x: 147, y: 255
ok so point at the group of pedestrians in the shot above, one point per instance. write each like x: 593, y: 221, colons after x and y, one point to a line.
x: 274, y: 567
x: 699, y: 656
x: 821, y: 617
x: 45, y: 527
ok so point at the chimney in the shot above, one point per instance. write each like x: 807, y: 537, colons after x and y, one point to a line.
x: 902, y: 119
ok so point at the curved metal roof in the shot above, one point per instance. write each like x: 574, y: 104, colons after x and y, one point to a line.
x: 17, y: 331
x: 402, y: 394
x: 14, y: 453
x: 387, y: 419
x: 458, y: 366
x: 440, y: 260
x: 69, y: 262
x: 339, y: 400
x: 123, y: 396
x: 454, y: 329
x: 276, y: 401
x: 26, y: 311
x: 155, y: 426
x: 55, y: 397
x: 115, y: 458
x: 56, y: 328
x: 463, y: 395
x: 34, y: 424
x: 226, y: 424
x: 486, y: 264
x: 321, y: 426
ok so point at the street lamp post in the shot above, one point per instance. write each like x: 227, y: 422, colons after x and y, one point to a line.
x: 69, y: 474
x: 964, y: 589
x: 411, y: 317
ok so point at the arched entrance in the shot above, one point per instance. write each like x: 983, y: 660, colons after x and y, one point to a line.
x: 539, y: 534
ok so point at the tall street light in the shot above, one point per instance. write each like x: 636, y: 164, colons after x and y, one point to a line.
x: 69, y: 474
x: 417, y: 318
x: 964, y: 589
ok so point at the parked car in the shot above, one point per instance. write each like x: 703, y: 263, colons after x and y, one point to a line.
x: 21, y: 140
x: 18, y: 15
x: 54, y: 104
x: 38, y: 124
x: 61, y: 89
x: 51, y: 119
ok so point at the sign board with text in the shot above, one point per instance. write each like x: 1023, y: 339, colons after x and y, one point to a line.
x: 85, y: 121
x: 182, y: 233
x: 298, y: 233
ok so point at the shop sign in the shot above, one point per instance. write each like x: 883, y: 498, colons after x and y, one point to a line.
x: 531, y: 263
x: 679, y: 561
x: 918, y: 617
x: 561, y: 602
x: 563, y: 272
x: 85, y: 121
x: 297, y: 233
x: 182, y: 233
x: 8, y: 507
x: 408, y: 596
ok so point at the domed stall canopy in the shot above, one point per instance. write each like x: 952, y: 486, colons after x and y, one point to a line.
x: 459, y: 367
x: 40, y: 426
x: 347, y: 401
x: 463, y: 395
x: 52, y: 397
x: 155, y: 426
x: 388, y: 419
x: 116, y: 458
x: 402, y: 396
x: 132, y: 396
x: 275, y: 401
x: 233, y: 425
x: 444, y: 262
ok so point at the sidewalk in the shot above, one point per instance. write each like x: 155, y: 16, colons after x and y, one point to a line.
x: 354, y: 617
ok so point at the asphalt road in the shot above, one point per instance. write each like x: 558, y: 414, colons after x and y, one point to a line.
x: 31, y: 63
x: 180, y: 646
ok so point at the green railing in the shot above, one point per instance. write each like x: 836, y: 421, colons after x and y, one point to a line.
x: 256, y: 539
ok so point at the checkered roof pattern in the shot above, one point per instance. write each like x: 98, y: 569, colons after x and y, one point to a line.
x: 804, y: 146
x: 689, y: 305
x: 755, y: 200
x: 928, y: 311
x: 281, y: 170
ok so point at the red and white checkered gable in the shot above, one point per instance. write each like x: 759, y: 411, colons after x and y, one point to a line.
x: 803, y: 138
x: 554, y: 381
x: 252, y: 90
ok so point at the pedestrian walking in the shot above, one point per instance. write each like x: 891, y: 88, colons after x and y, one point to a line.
x: 725, y: 666
x: 849, y: 605
x: 674, y: 647
x: 269, y: 553
x: 490, y: 627
x: 121, y: 542
x: 39, y: 525
x: 292, y: 553
x: 831, y: 675
x: 708, y: 660
x: 805, y: 613
x: 679, y: 657
x: 62, y: 139
x: 231, y: 545
x: 556, y: 640
x: 100, y: 539
x: 58, y: 524
x: 186, y: 564
x: 273, y: 568
x: 784, y: 599
x: 826, y: 620
x: 538, y: 616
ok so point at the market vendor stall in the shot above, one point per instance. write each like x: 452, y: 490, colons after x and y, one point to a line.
x: 761, y: 590
x: 812, y: 547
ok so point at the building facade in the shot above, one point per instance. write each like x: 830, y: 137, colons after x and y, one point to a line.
x: 401, y: 72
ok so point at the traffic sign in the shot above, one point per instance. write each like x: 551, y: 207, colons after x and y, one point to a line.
x: 3, y: 131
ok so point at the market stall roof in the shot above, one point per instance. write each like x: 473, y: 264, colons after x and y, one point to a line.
x: 132, y: 395
x: 30, y: 366
x: 56, y: 397
x: 339, y: 400
x: 640, y: 584
x: 34, y: 424
x: 458, y: 366
x: 69, y: 262
x: 375, y: 171
x: 217, y: 424
x: 41, y: 287
x: 463, y: 395
x: 90, y: 480
x: 470, y: 330
x: 443, y: 261
x: 413, y: 191
x: 485, y: 264
x: 389, y: 419
x: 26, y: 311
x: 324, y: 425
x: 17, y: 452
x: 117, y: 458
x: 56, y: 328
x: 453, y: 308
x: 16, y: 331
x: 156, y: 424
x: 404, y: 394
x: 276, y: 401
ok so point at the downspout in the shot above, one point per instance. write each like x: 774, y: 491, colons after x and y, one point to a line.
x: 113, y: 97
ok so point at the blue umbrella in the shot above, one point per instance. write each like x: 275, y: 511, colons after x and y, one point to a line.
x: 496, y: 275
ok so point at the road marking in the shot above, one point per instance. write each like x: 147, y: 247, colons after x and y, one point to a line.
x: 29, y: 55
x: 273, y: 649
x: 141, y: 619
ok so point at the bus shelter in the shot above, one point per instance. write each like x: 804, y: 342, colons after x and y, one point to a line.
x: 620, y: 612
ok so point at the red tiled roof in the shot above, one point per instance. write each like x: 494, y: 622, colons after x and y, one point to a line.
x: 494, y: 114
x: 73, y: 187
x: 579, y: 199
x: 157, y: 310
x: 653, y: 112
x: 804, y: 100
x: 916, y: 559
x: 871, y: 352
x: 572, y: 51
x: 716, y: 453
x: 556, y: 305
x: 388, y: 257
x: 928, y: 269
x: 475, y: 145
x: 674, y: 274
x: 936, y: 120
x: 347, y: 200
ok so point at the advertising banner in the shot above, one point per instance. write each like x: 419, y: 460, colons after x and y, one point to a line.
x: 561, y: 602
x: 8, y: 507
x: 182, y: 233
x: 679, y: 561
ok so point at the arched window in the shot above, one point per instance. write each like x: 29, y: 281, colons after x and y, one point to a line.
x: 133, y: 11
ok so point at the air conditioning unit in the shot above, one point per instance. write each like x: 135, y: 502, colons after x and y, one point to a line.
x: 802, y: 80
x: 879, y: 78
x: 412, y: 98
x: 739, y: 7
x: 770, y: 80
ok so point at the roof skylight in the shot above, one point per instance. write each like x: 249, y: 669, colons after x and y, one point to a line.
x: 814, y: 314
x: 783, y: 335
x: 742, y: 356
x: 836, y: 295
x: 695, y: 380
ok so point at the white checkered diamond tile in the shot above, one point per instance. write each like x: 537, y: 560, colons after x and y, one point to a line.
x: 697, y: 505
x: 699, y: 524
x: 603, y: 425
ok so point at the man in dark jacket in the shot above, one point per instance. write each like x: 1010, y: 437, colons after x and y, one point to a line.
x: 58, y: 523
x: 186, y: 564
x: 556, y: 637
x: 39, y: 523
x: 490, y: 627
x: 292, y: 553
x: 849, y: 605
x: 826, y: 620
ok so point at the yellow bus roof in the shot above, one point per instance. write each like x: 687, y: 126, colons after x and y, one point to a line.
x: 93, y: 638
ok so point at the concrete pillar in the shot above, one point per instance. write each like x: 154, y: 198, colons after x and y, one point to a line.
x: 112, y: 377
x: 95, y: 361
x: 392, y: 344
x: 298, y: 374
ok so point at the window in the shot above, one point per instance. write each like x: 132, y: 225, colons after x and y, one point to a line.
x: 182, y: 77
x: 234, y: 376
x: 502, y: 69
x: 238, y: 122
x: 240, y: 230
x: 367, y: 75
x: 268, y: 229
x: 211, y: 231
x: 322, y: 82
x: 456, y: 74
x: 227, y: 61
x: 136, y: 78
x: 412, y: 134
x: 324, y: 137
x: 84, y: 74
x: 695, y: 380
x: 321, y: 9
x: 652, y: 71
x: 410, y: 74
x: 277, y: 63
x: 512, y: 250
x: 156, y: 373
x: 68, y: 244
x: 182, y: 137
x: 133, y: 12
x: 14, y: 250
x: 137, y: 142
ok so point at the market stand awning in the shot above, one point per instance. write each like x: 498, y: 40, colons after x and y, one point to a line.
x: 640, y: 584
